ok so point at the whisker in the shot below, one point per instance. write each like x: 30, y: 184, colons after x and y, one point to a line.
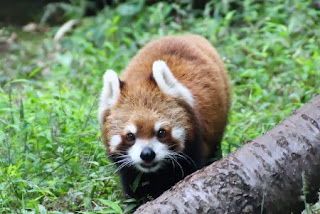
x: 119, y: 161
x: 127, y: 162
x: 119, y: 152
x: 170, y: 158
x: 186, y: 157
x: 175, y: 160
x: 173, y: 157
x: 183, y: 156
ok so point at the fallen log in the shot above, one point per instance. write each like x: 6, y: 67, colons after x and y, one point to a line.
x: 265, y: 175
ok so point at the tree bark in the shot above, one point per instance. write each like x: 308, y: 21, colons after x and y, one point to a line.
x: 263, y: 176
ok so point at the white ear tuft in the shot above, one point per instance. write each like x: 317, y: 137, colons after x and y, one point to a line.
x: 110, y: 93
x: 169, y: 84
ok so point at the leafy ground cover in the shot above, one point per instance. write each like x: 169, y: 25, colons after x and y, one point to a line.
x: 51, y: 156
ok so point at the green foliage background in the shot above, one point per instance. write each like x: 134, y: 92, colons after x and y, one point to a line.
x: 51, y: 156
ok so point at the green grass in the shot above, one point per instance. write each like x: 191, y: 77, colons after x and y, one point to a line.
x: 51, y: 156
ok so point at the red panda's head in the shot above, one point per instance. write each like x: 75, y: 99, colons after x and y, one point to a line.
x: 147, y: 122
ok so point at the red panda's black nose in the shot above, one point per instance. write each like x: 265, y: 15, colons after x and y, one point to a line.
x: 147, y: 154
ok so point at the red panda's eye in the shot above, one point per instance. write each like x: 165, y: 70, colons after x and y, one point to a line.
x: 131, y: 137
x: 161, y: 133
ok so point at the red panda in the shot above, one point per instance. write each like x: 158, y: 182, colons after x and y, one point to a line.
x: 165, y: 117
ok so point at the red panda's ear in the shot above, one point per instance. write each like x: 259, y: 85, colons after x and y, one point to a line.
x: 169, y: 84
x: 110, y: 93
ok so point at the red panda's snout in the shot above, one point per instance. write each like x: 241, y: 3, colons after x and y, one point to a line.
x: 148, y: 154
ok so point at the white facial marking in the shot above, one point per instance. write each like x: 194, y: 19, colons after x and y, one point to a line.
x: 159, y: 148
x: 179, y: 134
x: 131, y: 128
x: 169, y: 84
x: 158, y: 125
x: 110, y: 93
x: 114, y: 142
x: 135, y: 151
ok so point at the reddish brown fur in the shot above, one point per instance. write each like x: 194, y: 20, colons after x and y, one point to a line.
x: 197, y: 65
